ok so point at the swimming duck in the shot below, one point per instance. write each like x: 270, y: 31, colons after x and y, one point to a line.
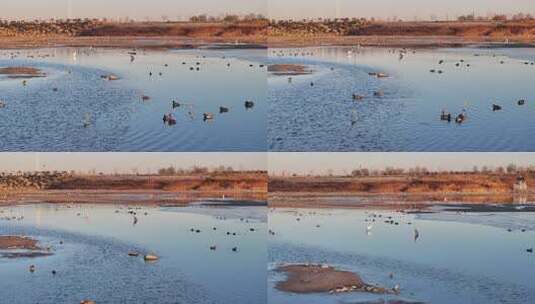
x: 175, y: 104
x: 357, y: 97
x: 445, y: 116
x: 521, y: 102
x: 151, y: 257
x: 223, y: 110
x: 208, y: 116
x: 249, y: 104
x: 496, y: 107
x: 460, y: 118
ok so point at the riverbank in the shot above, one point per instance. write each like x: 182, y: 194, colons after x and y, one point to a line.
x: 403, y: 191
x: 346, y: 32
x: 132, y: 189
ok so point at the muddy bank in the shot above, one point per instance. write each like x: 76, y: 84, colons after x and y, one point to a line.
x: 401, y: 184
x: 17, y: 242
x: 322, y: 279
x: 130, y: 197
x: 141, y: 42
x: 21, y: 72
x: 15, y: 247
x: 392, y: 201
x: 288, y: 70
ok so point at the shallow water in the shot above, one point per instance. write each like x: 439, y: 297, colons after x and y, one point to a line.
x: 466, y: 261
x: 407, y: 117
x: 38, y: 119
x: 93, y: 262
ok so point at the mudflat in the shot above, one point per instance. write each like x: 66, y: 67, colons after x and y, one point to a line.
x: 17, y: 242
x: 21, y: 72
x: 288, y: 69
x: 321, y: 279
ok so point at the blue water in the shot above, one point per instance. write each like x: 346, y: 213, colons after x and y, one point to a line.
x: 324, y: 117
x: 92, y: 263
x: 37, y: 118
x: 462, y: 261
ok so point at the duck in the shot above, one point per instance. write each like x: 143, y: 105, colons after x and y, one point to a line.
x: 378, y: 94
x: 145, y: 97
x: 175, y: 104
x: 460, y: 118
x: 169, y: 119
x: 213, y: 248
x: 382, y: 75
x: 223, y: 110
x: 521, y: 102
x: 445, y: 116
x: 151, y: 257
x: 357, y: 97
x: 208, y: 116
x: 235, y: 249
x: 496, y: 107
x: 249, y: 104
x: 529, y: 250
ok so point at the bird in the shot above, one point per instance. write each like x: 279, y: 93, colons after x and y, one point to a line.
x: 208, y: 116
x: 496, y: 107
x: 416, y: 235
x: 369, y: 229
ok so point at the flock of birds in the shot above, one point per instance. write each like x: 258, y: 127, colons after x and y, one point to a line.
x: 372, y: 219
x: 168, y: 118
x: 134, y: 213
x: 402, y: 53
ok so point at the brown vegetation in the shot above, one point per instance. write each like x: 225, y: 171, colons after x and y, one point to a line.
x: 93, y: 32
x: 136, y: 189
x: 401, y: 184
x: 425, y: 33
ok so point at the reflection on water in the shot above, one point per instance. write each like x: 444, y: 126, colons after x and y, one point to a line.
x: 49, y: 114
x: 93, y: 262
x: 474, y: 259
x: 324, y: 117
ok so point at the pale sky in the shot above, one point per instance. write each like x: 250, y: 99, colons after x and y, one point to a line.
x: 136, y: 9
x: 406, y: 9
x: 278, y: 9
x: 343, y: 163
x: 125, y: 162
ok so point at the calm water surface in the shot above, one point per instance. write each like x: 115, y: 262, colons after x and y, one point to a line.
x: 458, y: 258
x: 324, y: 117
x: 37, y: 118
x: 93, y: 262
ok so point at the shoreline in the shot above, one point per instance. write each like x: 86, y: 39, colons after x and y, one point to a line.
x: 134, y: 197
x: 128, y: 42
x: 417, y: 42
x: 395, y: 201
x: 256, y: 42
